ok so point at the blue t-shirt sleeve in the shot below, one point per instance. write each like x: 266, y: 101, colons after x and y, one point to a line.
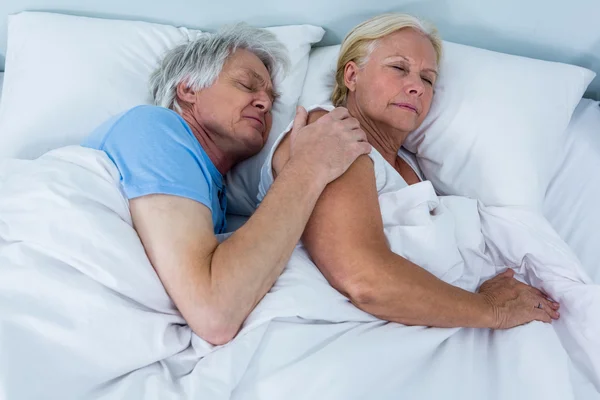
x: 156, y: 153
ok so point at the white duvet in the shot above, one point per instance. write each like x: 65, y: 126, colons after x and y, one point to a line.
x: 84, y: 315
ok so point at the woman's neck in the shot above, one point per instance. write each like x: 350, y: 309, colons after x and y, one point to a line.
x: 384, y: 139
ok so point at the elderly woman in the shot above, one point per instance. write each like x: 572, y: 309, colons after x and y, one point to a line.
x: 214, y: 97
x: 386, y: 74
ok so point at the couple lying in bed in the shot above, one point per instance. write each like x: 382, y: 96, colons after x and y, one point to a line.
x: 213, y: 101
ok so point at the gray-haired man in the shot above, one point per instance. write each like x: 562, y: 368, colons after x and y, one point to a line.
x: 214, y: 98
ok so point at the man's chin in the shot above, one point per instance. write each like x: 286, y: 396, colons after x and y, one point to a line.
x: 251, y: 147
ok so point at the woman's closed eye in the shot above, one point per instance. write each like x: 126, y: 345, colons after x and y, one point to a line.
x: 405, y: 70
x: 428, y: 80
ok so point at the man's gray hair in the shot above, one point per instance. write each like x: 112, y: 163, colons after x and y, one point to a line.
x: 199, y: 62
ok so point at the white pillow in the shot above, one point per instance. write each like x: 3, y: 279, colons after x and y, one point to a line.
x: 320, y: 76
x: 495, y: 125
x: 65, y: 75
x: 571, y: 202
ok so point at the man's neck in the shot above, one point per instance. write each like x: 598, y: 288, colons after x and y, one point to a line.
x: 220, y: 159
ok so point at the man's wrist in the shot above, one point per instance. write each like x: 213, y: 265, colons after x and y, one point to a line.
x: 309, y: 176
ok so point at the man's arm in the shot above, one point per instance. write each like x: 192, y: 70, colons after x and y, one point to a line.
x: 215, y: 286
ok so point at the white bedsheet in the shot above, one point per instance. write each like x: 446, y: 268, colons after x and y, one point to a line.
x: 83, y: 314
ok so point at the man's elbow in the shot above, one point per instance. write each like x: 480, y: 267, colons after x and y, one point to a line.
x: 214, y: 328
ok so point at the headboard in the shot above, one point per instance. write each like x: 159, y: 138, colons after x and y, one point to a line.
x: 556, y: 31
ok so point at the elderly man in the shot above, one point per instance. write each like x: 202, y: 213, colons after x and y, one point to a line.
x: 214, y: 98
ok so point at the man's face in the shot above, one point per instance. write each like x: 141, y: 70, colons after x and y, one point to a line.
x: 236, y: 109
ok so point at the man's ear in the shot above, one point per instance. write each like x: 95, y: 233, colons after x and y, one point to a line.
x: 350, y: 75
x: 185, y: 93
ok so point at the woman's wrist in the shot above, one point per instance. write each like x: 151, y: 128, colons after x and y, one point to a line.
x: 486, y: 312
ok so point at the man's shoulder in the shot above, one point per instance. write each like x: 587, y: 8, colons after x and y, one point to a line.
x: 148, y: 124
x: 144, y: 113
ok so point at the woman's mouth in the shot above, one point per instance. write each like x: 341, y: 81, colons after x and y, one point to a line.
x: 407, y: 106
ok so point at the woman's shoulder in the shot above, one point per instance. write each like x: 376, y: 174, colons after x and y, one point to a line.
x: 281, y: 155
x: 314, y: 115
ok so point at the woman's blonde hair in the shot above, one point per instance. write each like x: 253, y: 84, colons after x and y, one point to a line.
x: 362, y: 39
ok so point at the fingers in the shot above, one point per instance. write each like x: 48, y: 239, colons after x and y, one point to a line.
x: 362, y: 148
x: 351, y: 128
x: 347, y: 124
x: 361, y: 145
x: 549, y: 306
x: 351, y: 123
x: 541, y: 315
x: 300, y: 119
x: 546, y: 305
x: 359, y: 135
x: 339, y: 113
x: 508, y: 273
x: 552, y: 304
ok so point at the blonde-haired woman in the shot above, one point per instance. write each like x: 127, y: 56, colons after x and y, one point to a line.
x: 386, y: 74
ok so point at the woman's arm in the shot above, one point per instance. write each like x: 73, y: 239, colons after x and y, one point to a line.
x: 345, y: 238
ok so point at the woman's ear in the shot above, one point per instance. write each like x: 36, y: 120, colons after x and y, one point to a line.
x: 185, y: 93
x: 350, y: 74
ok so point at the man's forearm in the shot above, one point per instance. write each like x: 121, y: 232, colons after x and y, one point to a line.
x: 245, y: 266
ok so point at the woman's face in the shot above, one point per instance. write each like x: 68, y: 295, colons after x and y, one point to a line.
x: 395, y: 87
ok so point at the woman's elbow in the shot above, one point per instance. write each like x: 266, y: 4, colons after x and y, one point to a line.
x: 360, y: 285
x: 362, y: 293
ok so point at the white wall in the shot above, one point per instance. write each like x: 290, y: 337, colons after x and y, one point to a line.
x: 547, y: 29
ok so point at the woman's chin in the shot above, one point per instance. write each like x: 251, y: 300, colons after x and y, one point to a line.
x: 405, y: 126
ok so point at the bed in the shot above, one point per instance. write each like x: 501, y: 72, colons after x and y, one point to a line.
x: 85, y: 316
x: 577, y: 226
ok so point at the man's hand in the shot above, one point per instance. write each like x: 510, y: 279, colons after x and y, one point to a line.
x: 328, y: 146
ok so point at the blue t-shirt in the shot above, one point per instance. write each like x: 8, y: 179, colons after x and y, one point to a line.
x: 156, y: 152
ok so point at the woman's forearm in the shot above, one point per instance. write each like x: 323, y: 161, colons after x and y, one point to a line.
x: 400, y: 291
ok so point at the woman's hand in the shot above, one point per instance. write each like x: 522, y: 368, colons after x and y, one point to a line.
x: 515, y: 303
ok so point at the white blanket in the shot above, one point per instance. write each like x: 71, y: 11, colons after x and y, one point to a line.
x: 84, y: 315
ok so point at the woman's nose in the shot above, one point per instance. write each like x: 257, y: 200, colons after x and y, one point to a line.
x: 415, y: 86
